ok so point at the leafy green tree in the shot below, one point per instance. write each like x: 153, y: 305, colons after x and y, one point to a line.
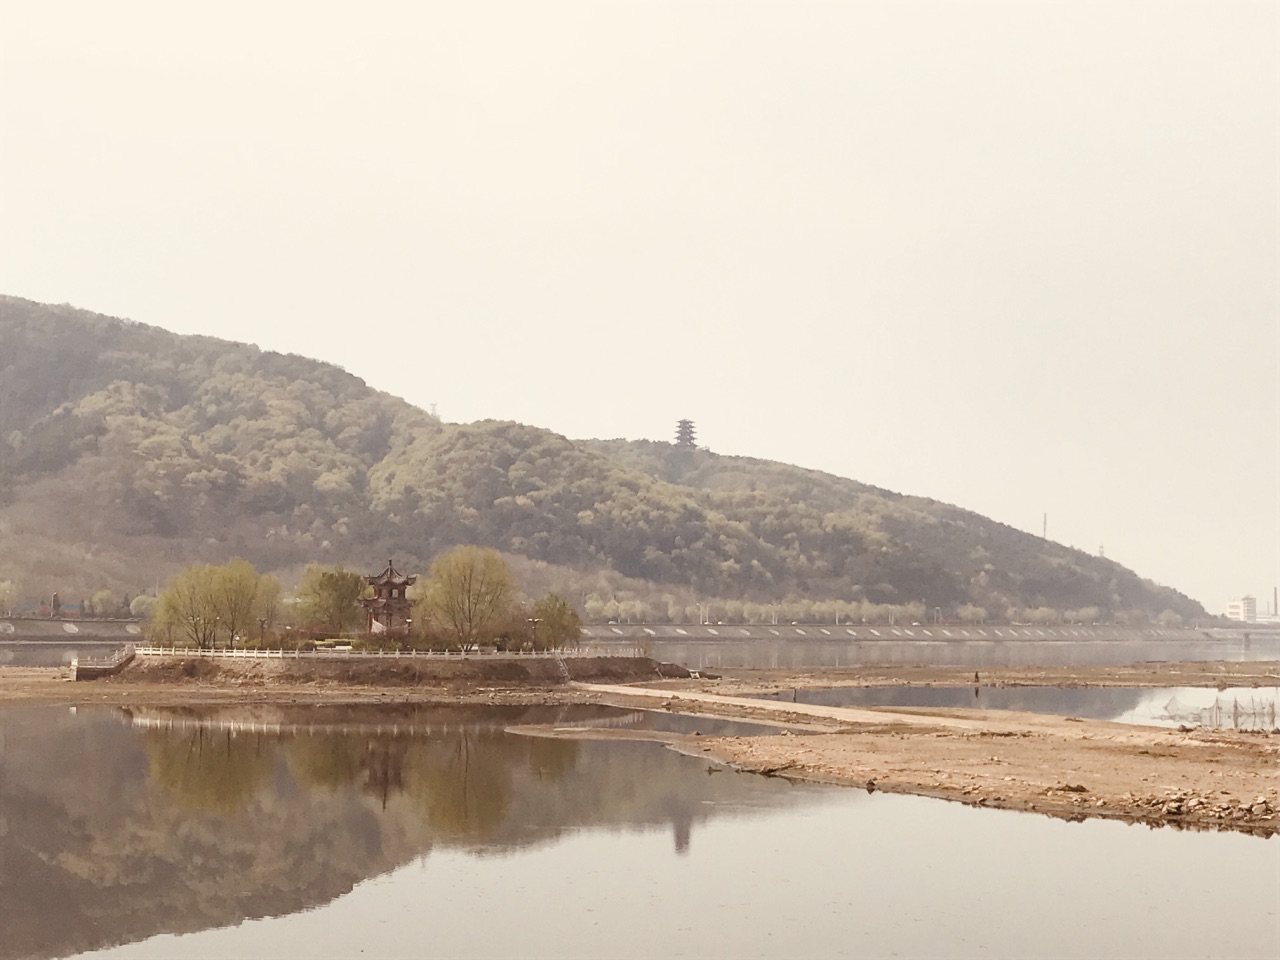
x: 556, y: 623
x: 471, y: 591
x: 330, y: 597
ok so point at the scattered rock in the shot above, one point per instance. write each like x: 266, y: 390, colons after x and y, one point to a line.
x: 774, y: 770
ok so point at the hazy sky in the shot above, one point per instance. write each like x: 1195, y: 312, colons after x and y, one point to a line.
x: 1022, y: 257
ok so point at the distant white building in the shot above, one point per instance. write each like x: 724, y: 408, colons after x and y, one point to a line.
x: 1244, y: 609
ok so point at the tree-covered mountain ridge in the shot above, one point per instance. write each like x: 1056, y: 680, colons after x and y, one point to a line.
x: 127, y: 451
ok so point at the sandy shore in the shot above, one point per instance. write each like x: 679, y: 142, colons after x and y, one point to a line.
x: 1198, y: 779
x: 1066, y: 767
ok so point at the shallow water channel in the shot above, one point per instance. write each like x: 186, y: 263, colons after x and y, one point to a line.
x: 410, y: 832
x: 1233, y: 708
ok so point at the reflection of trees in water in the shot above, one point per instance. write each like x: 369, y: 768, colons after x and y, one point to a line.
x: 209, y: 771
x: 335, y: 761
x: 468, y: 784
x: 114, y: 854
x: 550, y: 758
x: 473, y: 785
x: 323, y: 763
x: 463, y: 785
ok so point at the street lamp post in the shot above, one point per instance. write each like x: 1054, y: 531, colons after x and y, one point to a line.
x: 533, y: 630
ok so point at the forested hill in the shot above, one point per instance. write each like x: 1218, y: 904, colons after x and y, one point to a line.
x: 127, y: 451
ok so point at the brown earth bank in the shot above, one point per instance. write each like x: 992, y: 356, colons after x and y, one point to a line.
x: 194, y: 680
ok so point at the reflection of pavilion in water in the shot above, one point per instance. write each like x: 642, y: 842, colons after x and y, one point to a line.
x: 385, y: 753
x: 169, y: 808
x: 383, y: 767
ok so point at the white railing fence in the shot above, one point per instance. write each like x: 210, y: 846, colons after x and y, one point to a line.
x: 240, y: 653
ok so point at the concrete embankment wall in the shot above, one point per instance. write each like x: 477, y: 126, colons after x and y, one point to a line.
x: 46, y: 629
x: 93, y: 669
x: 368, y: 670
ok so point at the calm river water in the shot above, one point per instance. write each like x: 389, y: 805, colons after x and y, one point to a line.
x: 432, y: 832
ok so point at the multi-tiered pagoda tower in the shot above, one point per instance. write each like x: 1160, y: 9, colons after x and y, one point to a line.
x: 389, y: 608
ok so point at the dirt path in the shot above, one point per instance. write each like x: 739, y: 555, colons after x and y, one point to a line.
x: 1063, y: 767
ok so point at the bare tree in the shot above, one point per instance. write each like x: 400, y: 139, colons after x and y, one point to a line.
x: 202, y: 600
x: 471, y: 591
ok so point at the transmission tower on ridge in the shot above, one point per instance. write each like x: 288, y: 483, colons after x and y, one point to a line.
x: 684, y: 434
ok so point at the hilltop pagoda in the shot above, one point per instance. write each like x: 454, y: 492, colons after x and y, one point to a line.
x: 388, y: 609
x: 685, y: 438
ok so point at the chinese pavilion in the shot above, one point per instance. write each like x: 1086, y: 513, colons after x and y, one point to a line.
x: 388, y: 609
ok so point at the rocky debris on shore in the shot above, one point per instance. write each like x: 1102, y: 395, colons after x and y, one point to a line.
x: 1179, y: 804
x: 1174, y: 804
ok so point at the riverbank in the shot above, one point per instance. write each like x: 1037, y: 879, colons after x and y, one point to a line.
x: 194, y: 681
x: 1065, y: 767
x: 1061, y: 766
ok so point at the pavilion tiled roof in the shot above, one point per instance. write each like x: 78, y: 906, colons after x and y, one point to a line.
x: 390, y: 577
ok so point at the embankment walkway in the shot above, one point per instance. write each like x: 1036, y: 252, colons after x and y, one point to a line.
x: 747, y: 707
